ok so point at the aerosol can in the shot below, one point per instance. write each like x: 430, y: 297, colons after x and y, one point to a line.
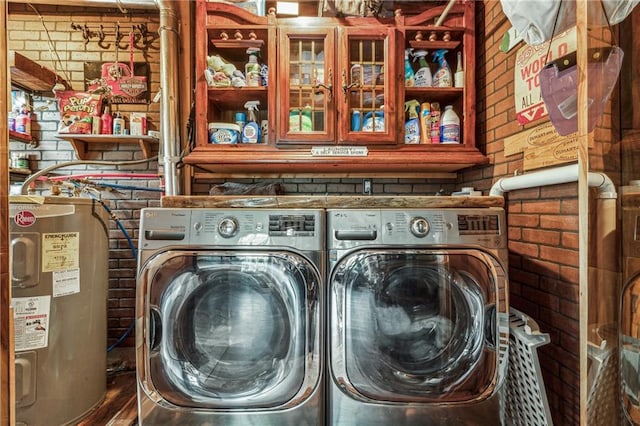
x: 251, y: 130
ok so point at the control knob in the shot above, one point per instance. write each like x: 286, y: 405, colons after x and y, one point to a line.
x: 228, y: 227
x: 419, y: 227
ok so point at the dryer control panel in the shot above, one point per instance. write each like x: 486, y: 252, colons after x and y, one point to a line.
x: 302, y: 229
x: 479, y: 227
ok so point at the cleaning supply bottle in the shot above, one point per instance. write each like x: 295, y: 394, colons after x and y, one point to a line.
x: 106, y: 121
x: 253, y: 70
x: 425, y: 122
x: 459, y: 75
x: 409, y: 75
x: 251, y: 130
x: 118, y: 124
x: 442, y: 77
x: 423, y: 75
x: 434, y: 132
x: 449, y: 126
x: 412, y: 125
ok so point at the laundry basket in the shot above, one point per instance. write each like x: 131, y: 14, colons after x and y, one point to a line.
x: 526, y: 400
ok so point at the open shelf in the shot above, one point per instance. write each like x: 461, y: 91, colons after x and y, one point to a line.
x: 20, y: 137
x: 80, y: 142
x: 30, y: 75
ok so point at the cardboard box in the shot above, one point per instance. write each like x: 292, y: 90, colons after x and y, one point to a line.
x: 138, y: 123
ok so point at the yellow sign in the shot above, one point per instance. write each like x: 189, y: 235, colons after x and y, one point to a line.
x: 542, y: 146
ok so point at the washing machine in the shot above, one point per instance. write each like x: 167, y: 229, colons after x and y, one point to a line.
x: 229, y: 317
x: 629, y: 334
x: 417, y: 316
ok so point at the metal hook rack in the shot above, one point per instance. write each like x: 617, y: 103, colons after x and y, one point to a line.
x: 143, y: 39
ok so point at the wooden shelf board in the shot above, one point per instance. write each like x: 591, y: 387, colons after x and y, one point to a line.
x: 236, y: 44
x: 80, y: 142
x: 30, y: 75
x: 432, y: 45
x: 20, y: 137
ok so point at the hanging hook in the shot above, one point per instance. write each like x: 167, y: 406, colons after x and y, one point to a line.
x: 101, y: 38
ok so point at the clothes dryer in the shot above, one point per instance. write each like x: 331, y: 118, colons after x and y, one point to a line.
x: 229, y: 317
x: 417, y: 316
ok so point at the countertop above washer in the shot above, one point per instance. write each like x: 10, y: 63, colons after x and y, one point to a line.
x: 330, y: 201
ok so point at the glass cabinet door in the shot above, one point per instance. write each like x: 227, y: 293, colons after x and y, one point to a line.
x: 367, y: 94
x: 307, y: 104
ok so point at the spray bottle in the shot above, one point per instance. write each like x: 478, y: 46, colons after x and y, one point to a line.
x: 251, y: 130
x: 412, y: 125
x: 253, y: 71
x: 442, y: 77
x: 409, y: 76
x: 423, y: 75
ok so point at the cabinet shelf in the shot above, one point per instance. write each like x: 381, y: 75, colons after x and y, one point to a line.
x: 31, y: 76
x: 20, y: 137
x: 80, y: 142
x: 434, y: 45
x: 236, y: 44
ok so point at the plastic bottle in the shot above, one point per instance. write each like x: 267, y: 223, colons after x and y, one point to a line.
x: 435, y: 122
x: 23, y: 121
x: 449, y: 126
x: 409, y: 75
x: 106, y: 122
x: 442, y: 77
x: 118, y: 125
x: 356, y: 121
x: 425, y: 122
x: 423, y: 75
x: 459, y: 75
x: 412, y: 125
x: 251, y: 130
x: 253, y: 71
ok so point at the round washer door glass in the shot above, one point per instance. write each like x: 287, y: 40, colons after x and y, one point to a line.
x: 233, y: 330
x: 418, y: 325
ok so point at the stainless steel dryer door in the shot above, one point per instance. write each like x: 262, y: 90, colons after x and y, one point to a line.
x: 230, y: 330
x: 417, y: 325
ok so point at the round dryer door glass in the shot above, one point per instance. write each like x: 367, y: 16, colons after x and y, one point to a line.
x: 233, y: 331
x: 418, y: 325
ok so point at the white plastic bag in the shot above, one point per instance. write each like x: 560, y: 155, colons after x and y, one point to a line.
x: 534, y: 19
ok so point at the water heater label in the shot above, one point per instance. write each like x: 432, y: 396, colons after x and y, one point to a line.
x: 60, y: 251
x: 31, y: 320
x: 66, y: 282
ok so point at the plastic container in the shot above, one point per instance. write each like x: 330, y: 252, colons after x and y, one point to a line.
x: 118, y: 125
x: 425, y: 122
x: 223, y: 133
x: 449, y: 126
x: 434, y: 131
x: 423, y: 76
x: 253, y: 70
x: 106, y: 120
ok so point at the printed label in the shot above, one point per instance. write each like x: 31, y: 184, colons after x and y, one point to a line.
x: 60, y: 251
x: 31, y: 321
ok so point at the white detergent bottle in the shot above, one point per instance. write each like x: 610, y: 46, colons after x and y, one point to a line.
x: 449, y: 126
x: 423, y: 75
x: 251, y: 130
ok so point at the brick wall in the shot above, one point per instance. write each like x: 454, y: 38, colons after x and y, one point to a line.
x: 27, y: 34
x: 542, y: 222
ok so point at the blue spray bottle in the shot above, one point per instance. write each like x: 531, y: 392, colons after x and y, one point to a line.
x: 409, y: 75
x: 442, y: 77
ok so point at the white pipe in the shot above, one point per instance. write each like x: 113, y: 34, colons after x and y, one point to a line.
x: 554, y: 176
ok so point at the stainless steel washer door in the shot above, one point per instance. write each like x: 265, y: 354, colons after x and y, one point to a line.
x: 416, y: 326
x: 232, y: 330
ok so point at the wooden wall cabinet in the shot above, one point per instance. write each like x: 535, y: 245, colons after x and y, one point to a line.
x: 322, y: 71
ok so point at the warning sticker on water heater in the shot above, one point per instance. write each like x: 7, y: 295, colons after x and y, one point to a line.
x: 65, y: 283
x: 60, y: 251
x: 31, y: 321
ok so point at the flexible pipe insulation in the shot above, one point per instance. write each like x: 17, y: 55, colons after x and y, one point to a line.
x: 46, y: 170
